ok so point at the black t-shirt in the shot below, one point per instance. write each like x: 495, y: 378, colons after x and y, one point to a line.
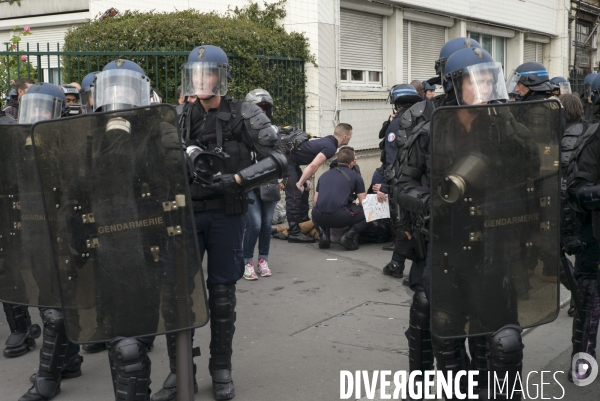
x: 310, y: 149
x: 334, y: 189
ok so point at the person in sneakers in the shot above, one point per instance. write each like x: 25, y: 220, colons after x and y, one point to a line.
x: 260, y: 213
x: 333, y: 208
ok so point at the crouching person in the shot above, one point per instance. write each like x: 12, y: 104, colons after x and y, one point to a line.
x: 333, y: 202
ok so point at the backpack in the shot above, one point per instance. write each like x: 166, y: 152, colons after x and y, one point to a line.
x: 291, y: 138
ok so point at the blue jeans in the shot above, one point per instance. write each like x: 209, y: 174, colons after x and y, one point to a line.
x: 258, y: 227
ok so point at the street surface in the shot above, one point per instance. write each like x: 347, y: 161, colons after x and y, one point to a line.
x: 322, y: 311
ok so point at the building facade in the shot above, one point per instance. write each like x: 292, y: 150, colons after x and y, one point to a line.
x: 362, y: 47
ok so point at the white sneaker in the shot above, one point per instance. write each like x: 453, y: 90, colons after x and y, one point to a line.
x: 249, y: 273
x: 263, y: 268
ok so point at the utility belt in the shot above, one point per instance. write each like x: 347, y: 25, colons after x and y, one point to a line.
x: 237, y: 204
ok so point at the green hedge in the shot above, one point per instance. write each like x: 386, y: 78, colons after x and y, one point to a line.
x: 245, y: 33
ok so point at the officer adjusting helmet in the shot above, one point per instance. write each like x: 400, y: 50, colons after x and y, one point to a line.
x: 475, y: 77
x: 87, y: 90
x: 73, y: 99
x: 206, y: 72
x: 587, y: 84
x: 531, y: 74
x: 122, y: 84
x: 560, y: 86
x: 262, y: 99
x: 403, y: 94
x: 449, y: 48
x: 43, y: 101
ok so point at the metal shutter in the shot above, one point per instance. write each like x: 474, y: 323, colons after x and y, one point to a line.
x: 426, y: 43
x: 529, y: 51
x: 361, y: 36
x: 405, y: 53
x: 539, y: 53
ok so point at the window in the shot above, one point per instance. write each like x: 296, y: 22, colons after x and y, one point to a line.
x: 361, y: 48
x: 494, y: 45
x: 582, y: 45
x: 51, y: 75
x: 533, y: 51
x: 421, y: 49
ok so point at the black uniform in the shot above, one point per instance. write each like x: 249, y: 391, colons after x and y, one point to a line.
x: 296, y: 202
x: 332, y: 210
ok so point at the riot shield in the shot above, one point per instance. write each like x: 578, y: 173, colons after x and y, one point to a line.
x: 121, y: 224
x: 495, y: 214
x: 27, y: 274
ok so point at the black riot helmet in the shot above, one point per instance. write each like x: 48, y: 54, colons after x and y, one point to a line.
x: 531, y: 74
x: 475, y: 77
x: 587, y: 85
x: 449, y: 48
x: 43, y: 101
x: 206, y: 72
x: 595, y: 87
x: 73, y: 99
x: 122, y: 84
x: 87, y: 90
x: 262, y: 99
x: 560, y: 86
x: 403, y: 93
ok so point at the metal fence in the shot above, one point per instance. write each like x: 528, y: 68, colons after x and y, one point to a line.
x: 284, y: 78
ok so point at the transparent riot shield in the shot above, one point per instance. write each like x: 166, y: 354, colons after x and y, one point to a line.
x: 27, y: 274
x: 495, y: 217
x: 121, y: 223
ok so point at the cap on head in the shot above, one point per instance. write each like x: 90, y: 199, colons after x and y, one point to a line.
x: 451, y: 47
x: 122, y: 64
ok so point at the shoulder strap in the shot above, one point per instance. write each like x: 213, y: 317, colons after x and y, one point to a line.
x: 347, y: 177
x: 185, y: 121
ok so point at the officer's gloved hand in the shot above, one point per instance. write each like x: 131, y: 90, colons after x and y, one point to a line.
x: 573, y: 244
x: 405, y: 246
x: 226, y: 184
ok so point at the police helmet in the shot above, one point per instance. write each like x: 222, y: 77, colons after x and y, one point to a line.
x: 475, y: 67
x: 43, y: 101
x: 595, y: 88
x: 403, y: 93
x: 449, y: 48
x: 122, y: 84
x: 206, y: 72
x: 87, y: 89
x: 427, y: 86
x: 262, y: 99
x: 560, y: 85
x: 589, y: 78
x: 531, y: 74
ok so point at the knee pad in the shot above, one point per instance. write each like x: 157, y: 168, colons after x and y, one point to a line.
x: 419, y: 310
x: 506, y: 346
x: 448, y: 322
x: 129, y: 359
x: 222, y: 301
x: 53, y: 319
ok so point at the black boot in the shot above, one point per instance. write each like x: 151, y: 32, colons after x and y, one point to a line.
x: 93, y: 348
x: 451, y: 356
x: 350, y: 239
x: 52, y: 357
x: 72, y: 366
x: 394, y: 269
x: 479, y: 352
x: 221, y: 301
x: 324, y: 237
x: 130, y: 369
x: 22, y: 332
x: 169, y: 390
x: 295, y: 235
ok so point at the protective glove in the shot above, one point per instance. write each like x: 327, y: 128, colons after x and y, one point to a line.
x: 573, y: 244
x: 226, y: 184
x: 406, y: 247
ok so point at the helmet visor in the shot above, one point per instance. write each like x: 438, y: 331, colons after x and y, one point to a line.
x: 38, y: 107
x: 479, y: 84
x: 565, y: 88
x: 121, y: 89
x: 204, y: 79
x: 512, y: 81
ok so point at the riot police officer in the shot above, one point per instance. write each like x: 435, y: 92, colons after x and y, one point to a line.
x: 403, y: 97
x: 234, y: 149
x: 87, y: 91
x: 586, y: 96
x: 59, y: 357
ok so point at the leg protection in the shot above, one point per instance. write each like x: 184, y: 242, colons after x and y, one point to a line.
x: 22, y: 332
x: 52, y: 357
x: 420, y: 351
x: 71, y: 367
x: 585, y: 328
x: 505, y: 362
x: 450, y: 353
x: 130, y: 368
x: 222, y: 303
x: 394, y: 269
x: 479, y: 354
x: 169, y: 390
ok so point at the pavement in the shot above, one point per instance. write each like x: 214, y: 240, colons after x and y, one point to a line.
x: 320, y: 312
